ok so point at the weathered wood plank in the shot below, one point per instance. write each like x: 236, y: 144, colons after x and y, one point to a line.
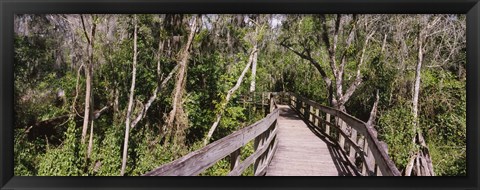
x: 299, y: 151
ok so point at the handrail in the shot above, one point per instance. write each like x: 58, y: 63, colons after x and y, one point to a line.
x: 263, y: 132
x: 372, y: 147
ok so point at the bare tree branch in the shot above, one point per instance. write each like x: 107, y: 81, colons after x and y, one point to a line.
x: 358, y: 78
x: 229, y: 95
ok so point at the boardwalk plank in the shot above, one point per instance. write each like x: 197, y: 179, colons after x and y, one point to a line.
x: 301, y: 153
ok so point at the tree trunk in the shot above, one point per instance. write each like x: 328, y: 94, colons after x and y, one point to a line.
x: 90, y: 139
x: 254, y: 72
x: 88, y: 89
x: 416, y: 87
x: 254, y: 64
x: 152, y: 98
x: 177, y: 114
x: 130, y: 101
x: 373, y: 112
x: 77, y: 89
x: 88, y: 73
x: 229, y: 95
x: 86, y: 117
x: 426, y: 166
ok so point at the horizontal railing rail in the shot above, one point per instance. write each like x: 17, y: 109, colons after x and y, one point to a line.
x: 359, y: 142
x: 263, y: 132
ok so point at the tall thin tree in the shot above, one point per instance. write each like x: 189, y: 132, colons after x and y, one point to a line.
x: 130, y: 99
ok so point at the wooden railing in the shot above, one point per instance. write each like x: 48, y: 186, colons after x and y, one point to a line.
x: 263, y: 132
x: 360, y: 142
x: 259, y: 99
x: 364, y: 150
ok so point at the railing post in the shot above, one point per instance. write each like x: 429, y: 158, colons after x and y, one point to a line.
x: 263, y: 99
x: 370, y: 162
x: 272, y: 104
x: 256, y: 144
x: 353, y: 137
x: 379, y: 171
x: 317, y: 113
x: 298, y: 104
x: 341, y: 139
x: 310, y: 113
x: 292, y: 101
x: 259, y: 142
x: 264, y: 156
x: 327, y: 126
x: 303, y: 108
x: 234, y: 159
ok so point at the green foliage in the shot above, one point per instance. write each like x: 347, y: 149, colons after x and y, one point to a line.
x: 396, y: 130
x: 108, y: 153
x: 65, y: 160
x: 24, y: 154
x: 448, y: 160
x: 443, y: 108
x: 221, y: 168
x: 150, y: 154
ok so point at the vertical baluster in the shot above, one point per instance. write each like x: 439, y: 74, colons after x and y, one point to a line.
x: 234, y: 159
x: 379, y: 172
x: 303, y: 108
x: 327, y: 127
x: 256, y: 144
x: 341, y: 139
x: 292, y: 101
x: 263, y: 99
x: 243, y: 98
x: 272, y: 106
x: 298, y: 104
x: 317, y: 113
x: 353, y: 137
x: 310, y: 113
x: 265, y: 154
x: 263, y: 157
x: 365, y: 155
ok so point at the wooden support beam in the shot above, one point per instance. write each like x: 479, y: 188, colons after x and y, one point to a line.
x: 353, y: 137
x: 327, y: 127
x: 234, y: 159
x: 310, y: 113
x: 341, y: 138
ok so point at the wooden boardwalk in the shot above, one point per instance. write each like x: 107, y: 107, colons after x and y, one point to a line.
x: 304, y: 152
x: 287, y: 144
